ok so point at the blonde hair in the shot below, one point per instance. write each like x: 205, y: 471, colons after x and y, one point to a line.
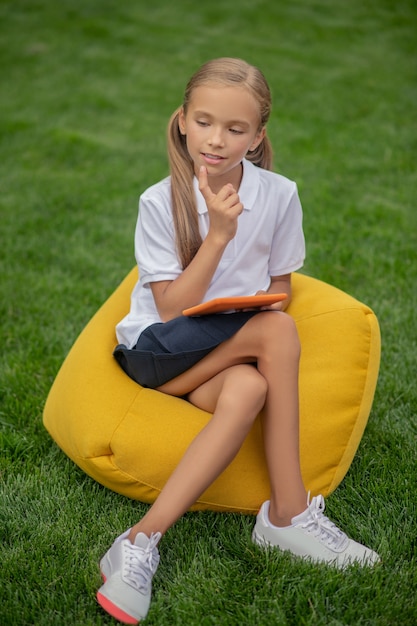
x: 228, y: 72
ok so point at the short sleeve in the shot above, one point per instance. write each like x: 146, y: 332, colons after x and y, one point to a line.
x: 288, y: 244
x: 155, y: 247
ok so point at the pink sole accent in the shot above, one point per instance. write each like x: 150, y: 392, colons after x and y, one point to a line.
x: 114, y: 611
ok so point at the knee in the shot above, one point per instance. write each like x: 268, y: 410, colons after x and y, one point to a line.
x: 247, y: 388
x: 280, y: 333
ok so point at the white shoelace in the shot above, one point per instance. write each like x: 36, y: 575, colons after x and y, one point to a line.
x: 140, y: 564
x: 321, y: 527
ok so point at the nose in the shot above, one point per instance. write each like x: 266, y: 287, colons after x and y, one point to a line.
x: 216, y: 137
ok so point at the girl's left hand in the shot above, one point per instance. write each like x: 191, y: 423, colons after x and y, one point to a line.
x: 279, y: 284
x: 277, y: 306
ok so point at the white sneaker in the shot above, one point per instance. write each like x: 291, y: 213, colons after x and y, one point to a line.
x: 312, y: 536
x: 127, y: 570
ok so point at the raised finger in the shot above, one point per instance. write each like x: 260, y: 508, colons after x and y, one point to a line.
x: 203, y: 183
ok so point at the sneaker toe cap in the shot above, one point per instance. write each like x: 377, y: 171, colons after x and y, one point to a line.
x: 357, y: 553
x: 121, y: 600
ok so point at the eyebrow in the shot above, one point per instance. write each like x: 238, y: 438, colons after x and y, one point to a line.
x: 230, y: 123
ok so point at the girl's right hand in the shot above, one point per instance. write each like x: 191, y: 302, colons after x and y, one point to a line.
x: 224, y: 208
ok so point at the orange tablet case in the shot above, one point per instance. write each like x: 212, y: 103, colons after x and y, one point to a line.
x: 220, y: 305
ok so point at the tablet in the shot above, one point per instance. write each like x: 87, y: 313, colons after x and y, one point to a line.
x: 221, y: 305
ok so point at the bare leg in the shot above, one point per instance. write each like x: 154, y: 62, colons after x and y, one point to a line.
x: 280, y: 365
x: 271, y: 340
x: 235, y: 396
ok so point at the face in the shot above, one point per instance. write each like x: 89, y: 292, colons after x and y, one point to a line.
x: 221, y: 125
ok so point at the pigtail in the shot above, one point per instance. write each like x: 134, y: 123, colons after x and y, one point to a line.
x: 184, y: 207
x: 262, y: 156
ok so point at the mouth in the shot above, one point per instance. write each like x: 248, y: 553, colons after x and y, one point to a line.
x: 212, y: 158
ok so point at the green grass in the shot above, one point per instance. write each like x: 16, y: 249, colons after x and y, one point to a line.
x: 87, y: 88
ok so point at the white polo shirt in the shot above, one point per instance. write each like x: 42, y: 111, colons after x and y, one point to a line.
x: 269, y: 242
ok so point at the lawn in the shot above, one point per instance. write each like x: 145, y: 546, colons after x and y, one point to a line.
x: 86, y: 91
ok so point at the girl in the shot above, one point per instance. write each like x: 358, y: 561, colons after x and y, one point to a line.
x: 222, y: 224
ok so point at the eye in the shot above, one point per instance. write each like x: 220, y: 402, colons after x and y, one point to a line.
x: 202, y: 123
x: 236, y: 131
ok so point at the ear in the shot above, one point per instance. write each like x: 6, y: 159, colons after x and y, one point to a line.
x: 181, y: 121
x: 259, y: 137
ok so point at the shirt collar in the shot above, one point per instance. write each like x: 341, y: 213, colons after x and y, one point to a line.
x: 248, y: 189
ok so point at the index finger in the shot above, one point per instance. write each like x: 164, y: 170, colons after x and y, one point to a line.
x: 203, y: 183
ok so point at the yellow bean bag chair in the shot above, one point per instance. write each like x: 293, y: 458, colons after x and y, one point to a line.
x: 130, y: 439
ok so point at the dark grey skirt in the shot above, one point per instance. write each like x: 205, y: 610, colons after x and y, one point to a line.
x: 166, y: 350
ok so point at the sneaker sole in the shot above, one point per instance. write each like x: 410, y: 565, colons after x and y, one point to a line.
x: 114, y: 610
